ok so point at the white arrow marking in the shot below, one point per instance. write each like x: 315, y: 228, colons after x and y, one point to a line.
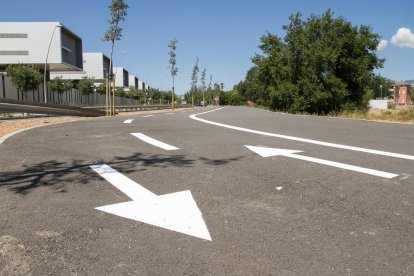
x: 304, y: 140
x: 128, y: 121
x: 176, y: 211
x: 154, y: 142
x: 267, y: 152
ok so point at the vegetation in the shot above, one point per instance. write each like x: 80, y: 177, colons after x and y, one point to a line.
x: 404, y: 114
x: 118, y: 10
x: 101, y: 88
x: 194, y: 79
x: 173, y: 68
x: 323, y: 65
x: 59, y: 86
x: 24, y: 77
x: 86, y: 86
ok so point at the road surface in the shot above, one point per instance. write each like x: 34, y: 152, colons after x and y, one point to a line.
x: 175, y: 194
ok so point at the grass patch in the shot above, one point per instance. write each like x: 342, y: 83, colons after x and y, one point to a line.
x: 404, y: 114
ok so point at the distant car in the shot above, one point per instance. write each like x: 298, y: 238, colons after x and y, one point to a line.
x: 201, y: 104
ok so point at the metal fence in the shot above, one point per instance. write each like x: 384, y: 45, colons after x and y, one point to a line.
x: 72, y: 97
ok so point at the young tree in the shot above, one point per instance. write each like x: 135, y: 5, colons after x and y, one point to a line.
x: 194, y: 78
x: 24, y: 77
x: 173, y: 68
x: 59, y: 86
x: 118, y: 11
x: 203, y: 84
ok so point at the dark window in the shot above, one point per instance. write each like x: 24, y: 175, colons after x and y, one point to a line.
x: 14, y: 53
x: 13, y: 35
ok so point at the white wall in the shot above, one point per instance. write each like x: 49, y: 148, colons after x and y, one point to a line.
x: 37, y: 42
x: 378, y: 104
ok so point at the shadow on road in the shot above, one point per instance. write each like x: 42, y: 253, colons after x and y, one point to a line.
x: 57, y: 174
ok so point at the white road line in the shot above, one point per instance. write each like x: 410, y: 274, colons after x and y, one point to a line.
x: 304, y: 140
x: 146, y: 116
x: 128, y: 121
x: 154, y: 142
x: 132, y: 189
x: 169, y: 113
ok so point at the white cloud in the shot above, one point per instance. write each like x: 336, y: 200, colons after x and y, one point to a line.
x: 382, y: 45
x: 403, y: 38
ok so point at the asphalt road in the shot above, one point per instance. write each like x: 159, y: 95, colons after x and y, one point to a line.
x: 265, y: 216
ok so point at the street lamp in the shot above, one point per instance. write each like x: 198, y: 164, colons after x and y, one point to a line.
x: 381, y: 91
x: 47, y: 55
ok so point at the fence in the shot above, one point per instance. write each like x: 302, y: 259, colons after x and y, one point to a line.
x: 71, y: 97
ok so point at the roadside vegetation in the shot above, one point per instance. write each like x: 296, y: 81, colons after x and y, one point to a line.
x: 402, y: 114
x: 323, y: 65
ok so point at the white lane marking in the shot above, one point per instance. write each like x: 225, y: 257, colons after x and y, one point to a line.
x: 146, y: 116
x: 154, y: 142
x: 128, y: 121
x: 304, y: 140
x: 170, y: 113
x: 268, y: 152
x: 176, y: 211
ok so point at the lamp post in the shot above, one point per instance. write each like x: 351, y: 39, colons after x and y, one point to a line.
x: 381, y: 91
x: 45, y: 71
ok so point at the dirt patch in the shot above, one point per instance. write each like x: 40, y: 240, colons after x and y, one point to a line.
x: 13, y: 257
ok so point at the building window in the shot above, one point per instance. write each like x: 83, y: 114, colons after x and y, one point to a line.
x: 14, y: 53
x: 13, y: 35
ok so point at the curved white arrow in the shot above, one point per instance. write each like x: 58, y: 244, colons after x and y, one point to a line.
x: 267, y: 152
x: 176, y: 211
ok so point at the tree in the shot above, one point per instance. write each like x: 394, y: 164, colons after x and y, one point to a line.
x: 86, y: 86
x: 194, y: 78
x: 59, y: 86
x: 173, y: 68
x: 322, y: 65
x: 118, y: 11
x: 203, y: 83
x: 24, y: 77
x: 101, y: 89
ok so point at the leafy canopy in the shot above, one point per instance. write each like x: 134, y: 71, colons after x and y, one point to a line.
x: 24, y: 77
x: 322, y: 65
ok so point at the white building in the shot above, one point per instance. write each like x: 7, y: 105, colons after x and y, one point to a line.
x: 121, y: 76
x: 133, y: 81
x: 95, y: 65
x: 141, y: 85
x: 36, y: 42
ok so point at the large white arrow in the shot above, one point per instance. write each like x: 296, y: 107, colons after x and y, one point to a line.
x: 267, y: 152
x: 176, y: 211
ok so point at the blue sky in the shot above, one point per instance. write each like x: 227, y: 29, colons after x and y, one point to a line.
x: 224, y: 34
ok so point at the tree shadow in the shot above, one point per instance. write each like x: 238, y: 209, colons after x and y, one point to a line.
x: 57, y: 174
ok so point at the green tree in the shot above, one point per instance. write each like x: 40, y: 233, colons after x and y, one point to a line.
x: 118, y: 11
x: 59, y: 86
x: 322, y: 65
x: 24, y: 77
x: 86, y: 86
x: 101, y: 89
x: 194, y: 79
x: 203, y: 83
x: 173, y: 68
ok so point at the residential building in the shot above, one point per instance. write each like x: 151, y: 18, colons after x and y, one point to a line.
x: 95, y: 65
x: 133, y: 81
x: 38, y: 43
x: 141, y: 85
x: 121, y: 77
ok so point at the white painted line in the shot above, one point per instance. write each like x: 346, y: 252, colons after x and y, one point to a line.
x: 170, y: 113
x: 176, y: 211
x: 146, y: 116
x: 128, y: 121
x: 154, y: 142
x: 279, y: 188
x: 268, y: 152
x: 304, y: 140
